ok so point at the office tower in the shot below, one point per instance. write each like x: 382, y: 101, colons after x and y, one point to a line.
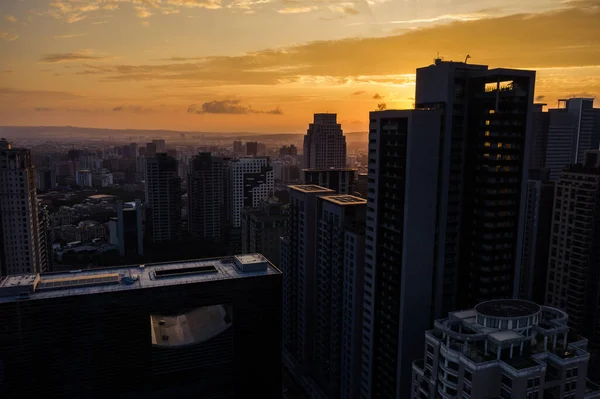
x: 84, y: 178
x: 190, y: 329
x: 238, y: 147
x: 20, y: 243
x: 206, y: 196
x: 573, y: 129
x: 252, y: 148
x: 324, y: 143
x: 45, y: 234
x: 151, y: 149
x: 290, y: 150
x: 262, y: 228
x: 361, y: 186
x: 163, y: 198
x: 503, y: 349
x: 142, y: 151
x: 126, y: 229
x: 161, y: 145
x: 539, y: 140
x: 133, y: 150
x: 400, y: 247
x: 487, y: 120
x: 44, y: 179
x: 574, y: 264
x: 536, y: 238
x: 341, y: 180
x: 261, y: 149
x: 250, y: 181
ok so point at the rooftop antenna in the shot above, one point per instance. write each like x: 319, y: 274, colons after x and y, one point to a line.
x: 467, y: 57
x: 437, y: 59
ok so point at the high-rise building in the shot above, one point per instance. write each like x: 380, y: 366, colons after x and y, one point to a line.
x: 206, y: 196
x: 290, y: 150
x: 399, y: 247
x: 161, y: 145
x: 45, y: 234
x: 362, y: 184
x: 190, y: 329
x: 539, y: 140
x: 252, y: 148
x: 84, y: 178
x: 324, y: 143
x: 341, y: 180
x: 262, y: 228
x: 21, y: 248
x: 250, y: 181
x: 483, y: 166
x: 238, y: 147
x: 573, y: 129
x: 126, y: 230
x: 503, y: 349
x: 536, y: 238
x: 151, y: 149
x: 163, y: 198
x: 574, y: 258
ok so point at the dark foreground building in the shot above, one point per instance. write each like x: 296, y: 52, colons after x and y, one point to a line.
x: 196, y: 329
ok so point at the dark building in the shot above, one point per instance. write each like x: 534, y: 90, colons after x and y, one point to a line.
x: 191, y: 329
x: 539, y: 140
x: 238, y: 147
x: 485, y: 141
x: 150, y: 149
x: 252, y: 148
x: 163, y: 198
x: 206, y: 196
x: 362, y: 184
x: 290, y: 150
x: 45, y: 234
x: 129, y: 232
x: 341, y: 180
x: 262, y: 228
x: 324, y: 143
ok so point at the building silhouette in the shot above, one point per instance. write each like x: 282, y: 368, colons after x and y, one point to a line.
x: 163, y: 198
x: 22, y: 248
x: 250, y: 180
x: 126, y: 229
x: 262, y: 228
x: 252, y: 148
x: 324, y: 143
x: 185, y: 329
x: 503, y: 349
x: 341, y: 180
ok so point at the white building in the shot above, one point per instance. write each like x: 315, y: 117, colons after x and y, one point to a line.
x: 251, y: 180
x: 20, y: 247
x: 324, y: 143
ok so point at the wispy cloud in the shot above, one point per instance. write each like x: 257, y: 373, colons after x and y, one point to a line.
x: 10, y: 18
x: 8, y: 37
x: 377, y: 96
x: 69, y: 36
x: 72, y: 57
x: 43, y: 109
x: 233, y: 107
x: 39, y: 94
x: 297, y: 10
x: 359, y: 93
x: 142, y: 12
x: 138, y: 109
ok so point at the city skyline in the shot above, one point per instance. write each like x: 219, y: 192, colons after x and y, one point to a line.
x: 70, y: 63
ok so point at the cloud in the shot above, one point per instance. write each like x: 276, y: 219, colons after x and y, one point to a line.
x: 8, y: 37
x: 209, y: 4
x: 344, y: 8
x: 377, y: 96
x: 39, y: 94
x: 142, y: 12
x: 99, y: 22
x: 10, y: 18
x: 359, y: 93
x: 72, y: 57
x: 138, y: 109
x: 297, y: 10
x: 69, y: 36
x: 228, y: 107
x: 42, y: 109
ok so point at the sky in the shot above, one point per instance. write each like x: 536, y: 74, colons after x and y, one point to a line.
x: 268, y: 65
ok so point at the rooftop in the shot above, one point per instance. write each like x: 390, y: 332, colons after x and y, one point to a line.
x: 507, y: 308
x: 134, y: 277
x: 311, y: 188
x: 330, y: 170
x: 345, y: 199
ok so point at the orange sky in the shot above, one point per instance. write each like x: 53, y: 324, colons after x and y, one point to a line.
x: 267, y: 65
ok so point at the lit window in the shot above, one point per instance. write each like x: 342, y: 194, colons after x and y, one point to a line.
x: 487, y: 133
x: 487, y: 144
x: 487, y: 123
x: 499, y: 145
x: 492, y: 111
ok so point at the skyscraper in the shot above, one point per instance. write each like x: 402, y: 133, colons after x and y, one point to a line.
x: 342, y: 180
x: 539, y: 140
x: 324, y: 143
x: 252, y: 148
x: 21, y: 247
x: 399, y: 247
x: 163, y: 198
x: 161, y: 145
x: 483, y: 168
x: 574, y: 258
x: 573, y: 129
x: 126, y: 229
x: 190, y: 329
x: 206, y: 196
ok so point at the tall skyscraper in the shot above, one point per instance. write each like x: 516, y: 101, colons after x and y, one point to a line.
x: 126, y: 229
x: 324, y: 143
x: 161, y: 145
x: 190, y: 329
x: 539, y: 140
x: 483, y: 166
x: 238, y: 147
x: 163, y: 198
x: 536, y: 238
x: 21, y: 247
x: 322, y: 262
x: 574, y: 264
x: 250, y: 181
x: 342, y: 180
x: 573, y: 129
x: 503, y: 349
x: 399, y: 247
x: 206, y: 196
x: 262, y: 228
x: 252, y: 148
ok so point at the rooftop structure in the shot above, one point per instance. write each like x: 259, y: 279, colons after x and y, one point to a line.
x: 311, y: 188
x: 345, y: 200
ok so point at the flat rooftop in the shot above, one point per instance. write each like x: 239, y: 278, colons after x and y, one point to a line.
x: 330, y: 170
x: 133, y: 277
x: 345, y: 199
x: 311, y: 188
x: 508, y: 308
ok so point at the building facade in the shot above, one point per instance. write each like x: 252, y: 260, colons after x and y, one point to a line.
x: 250, y: 181
x: 511, y: 349
x: 263, y: 227
x: 163, y: 198
x: 324, y: 143
x: 190, y: 329
x: 21, y: 248
x: 341, y: 180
